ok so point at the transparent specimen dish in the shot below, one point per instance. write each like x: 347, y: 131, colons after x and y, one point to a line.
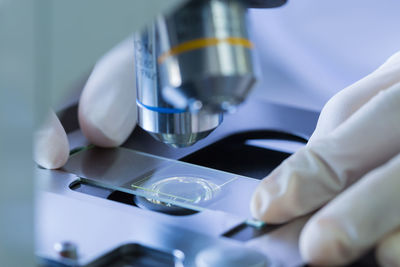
x: 164, y: 181
x: 189, y: 189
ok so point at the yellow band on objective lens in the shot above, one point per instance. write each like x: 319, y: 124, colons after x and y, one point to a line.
x: 201, y: 43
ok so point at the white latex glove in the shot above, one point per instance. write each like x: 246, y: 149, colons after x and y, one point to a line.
x: 107, y: 109
x: 353, y: 162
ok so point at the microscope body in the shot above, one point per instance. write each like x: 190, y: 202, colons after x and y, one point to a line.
x: 191, y: 67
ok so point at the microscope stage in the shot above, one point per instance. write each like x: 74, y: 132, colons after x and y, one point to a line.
x: 147, y: 204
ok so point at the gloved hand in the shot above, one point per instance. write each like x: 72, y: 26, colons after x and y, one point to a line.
x: 107, y: 109
x: 351, y: 164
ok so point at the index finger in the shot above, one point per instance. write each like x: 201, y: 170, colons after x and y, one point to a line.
x: 318, y: 172
x: 341, y: 106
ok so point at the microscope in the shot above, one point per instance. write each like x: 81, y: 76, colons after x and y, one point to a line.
x: 192, y: 66
x: 144, y: 204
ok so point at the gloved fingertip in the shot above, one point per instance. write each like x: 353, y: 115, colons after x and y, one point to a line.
x: 324, y: 243
x: 96, y: 135
x: 259, y: 204
x: 388, y: 251
x: 265, y: 207
x: 107, y: 107
x: 394, y: 59
x: 51, y: 147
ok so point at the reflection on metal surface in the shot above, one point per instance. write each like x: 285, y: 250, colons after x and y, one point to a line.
x: 189, y: 189
x: 66, y: 249
x: 286, y: 146
x: 233, y: 256
x: 131, y: 255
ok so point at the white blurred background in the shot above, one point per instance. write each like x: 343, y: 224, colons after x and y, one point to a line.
x: 309, y: 49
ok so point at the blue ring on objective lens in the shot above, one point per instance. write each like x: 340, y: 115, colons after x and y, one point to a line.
x: 160, y: 109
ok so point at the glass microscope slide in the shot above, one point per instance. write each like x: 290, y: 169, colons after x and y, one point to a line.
x: 164, y: 181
